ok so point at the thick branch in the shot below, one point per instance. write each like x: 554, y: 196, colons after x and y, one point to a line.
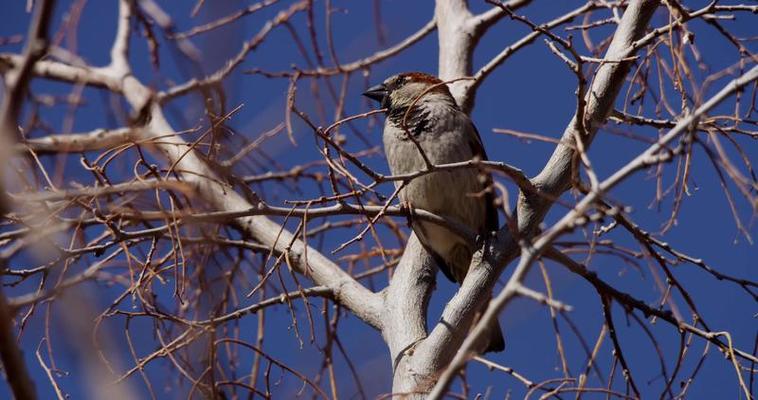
x: 650, y: 156
x: 434, y: 353
x: 120, y: 49
x: 99, y: 139
x: 457, y: 40
x: 555, y: 177
x: 405, y: 307
x: 12, y: 357
x: 305, y: 259
x: 205, y: 181
x: 97, y: 77
x: 488, y: 18
x: 16, y: 84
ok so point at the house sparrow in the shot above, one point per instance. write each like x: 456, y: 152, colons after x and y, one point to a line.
x: 445, y: 134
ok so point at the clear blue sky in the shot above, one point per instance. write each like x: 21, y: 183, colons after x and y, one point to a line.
x: 532, y: 92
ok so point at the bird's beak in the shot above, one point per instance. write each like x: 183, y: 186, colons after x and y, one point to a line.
x: 378, y: 93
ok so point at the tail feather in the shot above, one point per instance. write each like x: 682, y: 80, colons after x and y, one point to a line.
x: 496, y: 341
x: 455, y: 269
x: 493, y: 340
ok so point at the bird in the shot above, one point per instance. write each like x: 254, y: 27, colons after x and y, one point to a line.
x: 421, y: 115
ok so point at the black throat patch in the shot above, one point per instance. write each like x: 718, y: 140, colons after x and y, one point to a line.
x: 416, y: 120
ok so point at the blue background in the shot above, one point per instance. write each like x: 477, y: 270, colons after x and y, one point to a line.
x: 533, y: 92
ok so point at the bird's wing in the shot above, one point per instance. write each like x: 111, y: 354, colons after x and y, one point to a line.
x: 477, y: 148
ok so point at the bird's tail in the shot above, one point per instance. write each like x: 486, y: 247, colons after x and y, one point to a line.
x: 496, y: 341
x: 493, y: 340
x: 460, y: 258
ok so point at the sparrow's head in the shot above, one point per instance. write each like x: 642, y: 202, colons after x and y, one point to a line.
x: 402, y: 90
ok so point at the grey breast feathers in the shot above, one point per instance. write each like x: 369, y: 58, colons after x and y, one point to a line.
x: 448, y: 136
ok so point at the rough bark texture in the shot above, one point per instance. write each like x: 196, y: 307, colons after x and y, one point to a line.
x: 555, y: 177
x: 16, y: 85
x: 419, y: 371
x: 424, y: 359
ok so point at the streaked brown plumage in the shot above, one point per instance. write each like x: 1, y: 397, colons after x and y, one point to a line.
x: 446, y: 135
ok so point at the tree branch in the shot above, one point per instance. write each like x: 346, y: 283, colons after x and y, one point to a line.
x: 97, y: 139
x: 435, y: 352
x: 485, y: 20
x: 16, y: 83
x: 530, y: 253
x: 305, y: 259
x: 203, y: 179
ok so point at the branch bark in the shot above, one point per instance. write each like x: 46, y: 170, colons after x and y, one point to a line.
x: 16, y: 84
x: 97, y: 139
x: 420, y: 359
x: 416, y: 373
x: 530, y: 252
x: 13, y: 359
x: 459, y: 31
x: 305, y: 259
x: 203, y: 179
